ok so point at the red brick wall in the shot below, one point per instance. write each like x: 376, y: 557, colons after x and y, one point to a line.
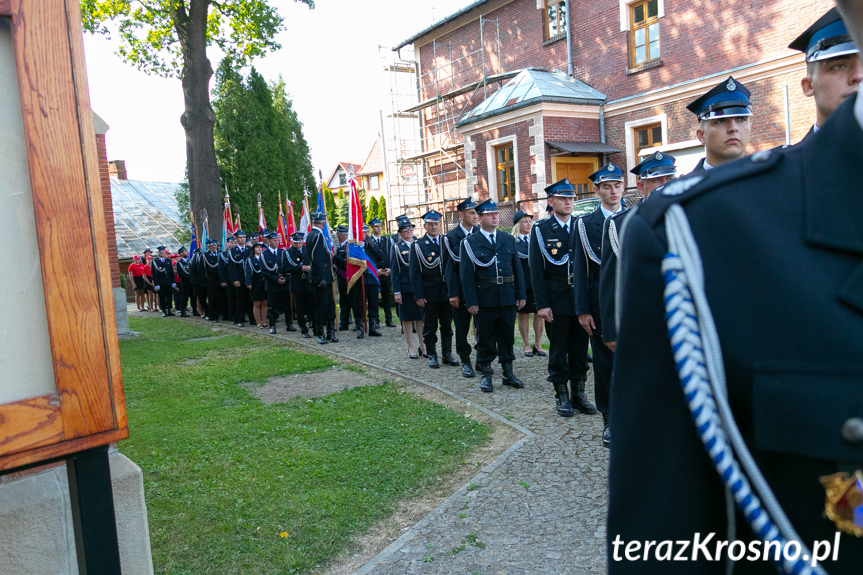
x: 557, y: 129
x: 523, y: 142
x: 108, y: 207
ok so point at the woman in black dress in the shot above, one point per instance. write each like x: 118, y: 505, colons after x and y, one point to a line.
x: 521, y: 223
x: 256, y: 283
x: 410, y: 314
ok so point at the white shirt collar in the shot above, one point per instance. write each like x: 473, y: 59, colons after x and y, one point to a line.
x: 522, y: 236
x: 464, y: 229
x: 706, y: 165
x: 488, y: 235
x: 606, y: 212
x: 815, y: 128
x: 562, y: 224
x: 858, y: 111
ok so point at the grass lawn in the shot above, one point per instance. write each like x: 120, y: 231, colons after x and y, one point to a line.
x: 236, y: 486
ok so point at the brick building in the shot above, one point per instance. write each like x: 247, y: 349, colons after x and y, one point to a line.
x: 516, y: 94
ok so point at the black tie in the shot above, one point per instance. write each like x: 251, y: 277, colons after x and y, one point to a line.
x: 491, y: 237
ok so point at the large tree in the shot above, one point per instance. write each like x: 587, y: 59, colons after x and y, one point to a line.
x: 260, y: 146
x: 170, y: 38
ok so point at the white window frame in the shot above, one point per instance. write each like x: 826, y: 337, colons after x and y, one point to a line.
x: 491, y: 163
x: 345, y: 176
x: 624, y: 13
x: 377, y: 182
x: 629, y: 132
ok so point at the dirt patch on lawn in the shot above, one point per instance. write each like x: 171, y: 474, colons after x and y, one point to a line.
x: 408, y: 513
x: 314, y: 384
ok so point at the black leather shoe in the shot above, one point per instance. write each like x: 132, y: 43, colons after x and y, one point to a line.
x: 579, y: 400
x: 509, y: 377
x: 306, y: 335
x: 343, y: 327
x: 196, y: 314
x: 322, y: 340
x: 485, y: 384
x: 448, y: 359
x: 561, y: 396
x: 589, y: 358
x: 171, y: 313
x: 360, y: 333
x: 390, y: 323
x: 184, y: 314
x: 272, y: 329
x: 373, y: 332
x: 466, y: 369
x: 164, y: 314
x: 332, y: 337
x: 241, y: 324
x: 433, y: 363
x: 290, y: 328
x: 606, y: 432
x: 538, y: 351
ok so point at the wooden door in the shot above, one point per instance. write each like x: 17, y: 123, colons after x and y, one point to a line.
x: 576, y: 170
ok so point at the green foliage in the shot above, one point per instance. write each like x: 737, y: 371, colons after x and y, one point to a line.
x: 181, y: 194
x: 373, y: 209
x: 329, y: 201
x: 362, y: 194
x: 382, y: 212
x: 149, y: 37
x: 260, y: 145
x: 342, y: 210
x: 225, y: 475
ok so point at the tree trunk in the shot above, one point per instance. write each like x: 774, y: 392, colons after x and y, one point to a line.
x: 198, y: 117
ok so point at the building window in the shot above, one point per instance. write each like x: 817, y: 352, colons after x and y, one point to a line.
x: 554, y: 18
x: 374, y: 182
x: 644, y: 34
x: 647, y: 137
x: 504, y: 158
x: 343, y: 179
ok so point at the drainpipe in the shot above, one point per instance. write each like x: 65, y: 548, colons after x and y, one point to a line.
x: 568, y: 39
x: 787, y: 119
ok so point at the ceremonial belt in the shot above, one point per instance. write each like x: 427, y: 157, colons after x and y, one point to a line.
x: 559, y: 278
x: 499, y: 280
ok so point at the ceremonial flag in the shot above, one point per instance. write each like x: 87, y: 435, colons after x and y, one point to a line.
x: 281, y: 227
x: 305, y: 218
x: 291, y: 226
x: 205, y: 230
x: 237, y: 225
x: 322, y: 207
x: 227, y: 223
x: 262, y: 222
x: 193, y: 242
x: 358, y: 261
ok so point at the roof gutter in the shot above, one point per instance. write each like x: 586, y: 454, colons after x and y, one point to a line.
x: 438, y: 24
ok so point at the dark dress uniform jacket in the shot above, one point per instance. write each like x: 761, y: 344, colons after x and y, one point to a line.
x: 480, y: 284
x: 451, y: 250
x: 426, y: 269
x: 552, y: 281
x: 254, y: 274
x: 785, y: 284
x: 213, y: 266
x: 588, y: 257
x: 521, y: 248
x: 378, y: 251
x: 400, y: 266
x: 236, y: 260
x: 299, y: 279
x: 274, y: 266
x: 608, y: 274
x: 317, y: 255
x: 184, y: 270
x: 163, y: 273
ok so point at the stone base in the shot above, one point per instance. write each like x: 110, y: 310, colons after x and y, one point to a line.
x: 36, y: 533
x: 120, y: 311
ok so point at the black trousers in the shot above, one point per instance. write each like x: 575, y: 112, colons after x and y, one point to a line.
x: 386, y: 298
x: 230, y: 302
x: 279, y: 302
x: 567, y: 353
x: 165, y: 297
x: 304, y: 303
x: 462, y: 318
x: 372, y: 305
x: 438, y: 315
x: 184, y: 295
x: 495, y: 330
x: 325, y: 307
x: 200, y: 296
x: 603, y: 358
x: 242, y: 303
x: 346, y: 303
x: 215, y: 301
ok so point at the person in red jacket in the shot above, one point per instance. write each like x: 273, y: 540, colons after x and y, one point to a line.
x: 135, y: 275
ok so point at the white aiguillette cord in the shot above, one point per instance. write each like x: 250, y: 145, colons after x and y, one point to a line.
x: 698, y: 361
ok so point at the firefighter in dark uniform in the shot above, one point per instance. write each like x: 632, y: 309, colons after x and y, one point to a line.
x: 378, y: 248
x: 587, y: 257
x: 655, y: 170
x: 318, y: 262
x: 163, y: 280
x: 278, y: 283
x: 369, y: 290
x: 210, y: 264
x: 237, y: 256
x: 452, y: 244
x: 493, y: 289
x: 301, y: 290
x: 551, y: 256
x: 184, y: 271
x: 724, y: 125
x: 229, y: 275
x: 199, y: 280
x: 427, y: 280
x: 340, y: 261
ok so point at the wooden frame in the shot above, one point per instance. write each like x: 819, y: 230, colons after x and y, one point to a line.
x: 87, y: 408
x: 560, y: 19
x: 506, y: 165
x: 646, y: 23
x: 582, y: 189
x: 648, y: 129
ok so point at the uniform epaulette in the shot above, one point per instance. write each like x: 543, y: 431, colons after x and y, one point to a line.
x: 688, y: 187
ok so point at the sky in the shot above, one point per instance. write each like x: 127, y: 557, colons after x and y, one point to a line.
x: 330, y: 61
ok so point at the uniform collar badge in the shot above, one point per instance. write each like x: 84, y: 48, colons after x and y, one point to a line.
x: 844, y: 503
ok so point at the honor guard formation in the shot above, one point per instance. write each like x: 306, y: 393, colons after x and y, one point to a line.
x: 723, y: 313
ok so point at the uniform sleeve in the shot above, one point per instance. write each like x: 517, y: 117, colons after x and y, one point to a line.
x: 416, y: 273
x: 579, y: 274
x: 467, y: 273
x: 450, y: 275
x: 518, y: 272
x: 661, y: 484
x: 537, y: 270
x: 607, y: 285
x: 395, y: 270
x: 247, y: 272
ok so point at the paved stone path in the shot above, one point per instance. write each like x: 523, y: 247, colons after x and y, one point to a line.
x: 538, y: 509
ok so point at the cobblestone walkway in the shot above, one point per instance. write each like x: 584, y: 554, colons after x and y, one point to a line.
x: 538, y: 509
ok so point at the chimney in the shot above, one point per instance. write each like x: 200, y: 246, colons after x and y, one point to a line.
x: 117, y: 169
